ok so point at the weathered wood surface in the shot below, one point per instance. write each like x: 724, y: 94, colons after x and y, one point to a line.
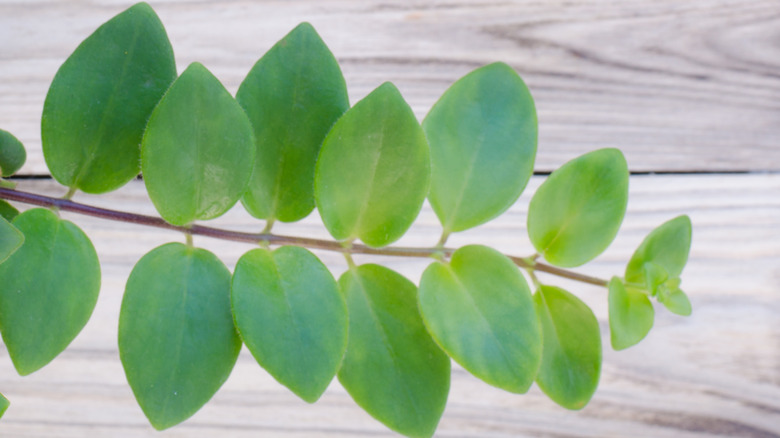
x: 682, y: 86
x: 716, y: 373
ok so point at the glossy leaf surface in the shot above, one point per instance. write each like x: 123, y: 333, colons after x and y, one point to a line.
x: 48, y: 289
x: 571, y: 356
x: 392, y: 368
x: 480, y: 311
x: 290, y: 314
x: 631, y: 315
x: 12, y: 154
x: 482, y: 135
x: 198, y: 150
x: 177, y: 341
x: 99, y: 101
x: 10, y: 239
x: 8, y: 211
x: 576, y: 213
x: 293, y: 95
x: 373, y: 170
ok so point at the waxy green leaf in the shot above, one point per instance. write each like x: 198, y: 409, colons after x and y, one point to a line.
x: 48, y: 289
x: 631, y: 315
x: 482, y: 134
x: 8, y: 211
x: 4, y: 403
x: 177, y: 341
x: 293, y: 95
x: 373, y: 170
x: 290, y: 314
x: 198, y: 150
x: 12, y: 154
x: 99, y: 101
x: 392, y: 368
x: 10, y: 239
x: 479, y: 309
x: 571, y: 356
x: 576, y: 213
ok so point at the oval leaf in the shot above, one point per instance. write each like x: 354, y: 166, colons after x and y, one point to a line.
x: 676, y: 301
x: 198, y: 150
x: 98, y: 104
x: 666, y: 248
x: 12, y: 154
x: 293, y: 95
x: 290, y: 314
x: 480, y: 311
x: 571, y: 356
x: 10, y: 239
x: 177, y: 341
x: 631, y: 315
x: 48, y: 289
x: 373, y: 170
x: 482, y: 134
x: 576, y: 213
x: 392, y: 368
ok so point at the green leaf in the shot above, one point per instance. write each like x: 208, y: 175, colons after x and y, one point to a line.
x: 480, y: 311
x: 10, y: 239
x: 4, y: 403
x: 98, y: 104
x: 571, y: 357
x: 293, y: 95
x: 373, y: 170
x: 8, y: 211
x: 676, y: 301
x: 392, y: 368
x: 482, y: 134
x: 198, y: 151
x: 177, y: 341
x: 630, y: 315
x: 290, y: 314
x: 576, y: 213
x: 666, y: 247
x: 48, y: 289
x: 12, y: 154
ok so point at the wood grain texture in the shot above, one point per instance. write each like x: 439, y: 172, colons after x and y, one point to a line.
x: 714, y: 374
x: 679, y: 86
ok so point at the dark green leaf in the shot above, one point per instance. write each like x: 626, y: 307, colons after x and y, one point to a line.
x: 10, y: 239
x: 8, y: 211
x: 177, y: 341
x: 290, y: 314
x: 198, y: 150
x: 48, y: 289
x: 373, y: 170
x: 482, y: 134
x: 293, y: 95
x: 571, y: 357
x: 100, y: 99
x: 4, y: 403
x: 666, y: 247
x: 576, y: 213
x: 392, y: 368
x: 480, y: 311
x: 630, y: 315
x: 12, y: 154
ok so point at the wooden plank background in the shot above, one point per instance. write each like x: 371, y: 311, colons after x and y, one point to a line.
x: 679, y: 86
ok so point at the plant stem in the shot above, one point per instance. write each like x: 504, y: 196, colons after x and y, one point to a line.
x: 273, y: 239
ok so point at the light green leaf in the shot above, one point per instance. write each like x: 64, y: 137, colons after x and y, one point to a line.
x: 576, y: 213
x: 392, y: 368
x: 8, y: 211
x: 10, y: 239
x: 373, y: 170
x: 48, y: 289
x: 666, y: 247
x: 676, y: 301
x: 293, y: 96
x: 289, y: 312
x: 480, y: 311
x: 630, y: 315
x: 98, y: 104
x: 4, y: 403
x: 482, y: 134
x: 12, y: 154
x: 571, y: 357
x: 177, y: 341
x: 198, y: 150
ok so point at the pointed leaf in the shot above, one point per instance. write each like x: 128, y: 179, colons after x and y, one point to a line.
x: 8, y: 211
x: 392, y: 368
x: 667, y: 247
x: 10, y: 239
x: 482, y: 134
x: 373, y: 170
x: 479, y: 309
x: 290, y: 314
x: 48, y: 289
x: 293, y: 95
x: 676, y: 301
x: 98, y: 104
x: 630, y: 315
x: 12, y: 154
x: 4, y: 403
x: 198, y: 150
x: 576, y: 213
x: 177, y: 341
x: 571, y: 357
